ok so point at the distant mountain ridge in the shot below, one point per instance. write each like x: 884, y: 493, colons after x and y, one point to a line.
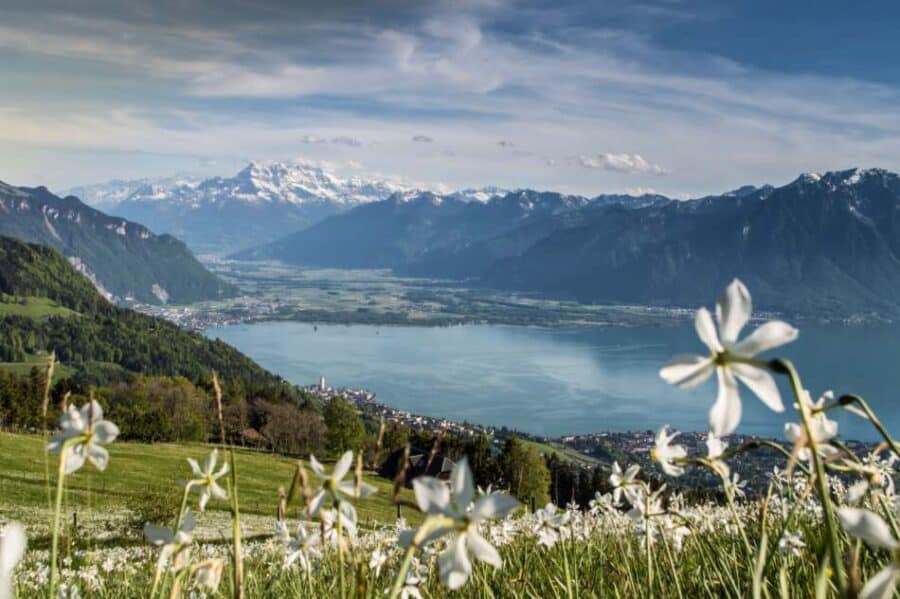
x: 262, y: 202
x: 822, y: 245
x: 123, y: 259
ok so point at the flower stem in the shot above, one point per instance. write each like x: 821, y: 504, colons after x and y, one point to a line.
x: 54, y: 543
x: 236, y: 531
x: 340, y: 548
x: 787, y: 368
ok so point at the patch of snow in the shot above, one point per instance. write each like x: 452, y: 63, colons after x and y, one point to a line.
x: 161, y: 294
x: 79, y: 265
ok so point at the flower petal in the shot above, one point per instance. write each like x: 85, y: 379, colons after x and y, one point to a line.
x: 726, y: 412
x: 761, y: 383
x: 158, y: 535
x: 98, y: 456
x: 12, y: 547
x: 494, y: 506
x: 209, y: 463
x: 461, y: 483
x: 105, y: 432
x: 316, y: 503
x: 482, y: 550
x: 91, y: 412
x: 881, y: 586
x: 432, y: 495
x: 454, y: 564
x: 706, y: 330
x: 687, y: 371
x: 767, y: 336
x: 74, y: 458
x: 316, y: 466
x: 195, y: 468
x: 733, y: 311
x: 868, y: 526
x: 342, y: 466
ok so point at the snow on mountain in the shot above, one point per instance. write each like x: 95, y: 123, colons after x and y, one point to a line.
x: 479, y: 194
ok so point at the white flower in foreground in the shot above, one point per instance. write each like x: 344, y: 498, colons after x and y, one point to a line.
x: 791, y: 543
x: 821, y: 429
x: 173, y: 542
x: 728, y: 358
x: 12, y: 549
x: 550, y: 523
x: 871, y: 528
x: 335, y: 485
x: 205, y: 479
x: 621, y: 482
x: 301, y: 548
x: 461, y: 518
x: 81, y: 432
x: 667, y: 454
x: 208, y: 573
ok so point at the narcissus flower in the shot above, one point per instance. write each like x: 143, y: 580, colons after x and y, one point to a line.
x: 173, y: 542
x: 621, y: 482
x: 334, y: 486
x: 667, y: 454
x: 458, y: 516
x: 80, y: 436
x: 821, y: 429
x: 871, y: 528
x: 730, y: 359
x: 205, y: 479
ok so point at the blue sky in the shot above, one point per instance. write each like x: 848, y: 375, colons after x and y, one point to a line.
x: 678, y: 97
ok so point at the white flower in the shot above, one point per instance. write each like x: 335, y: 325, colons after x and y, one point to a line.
x: 173, y: 542
x: 550, y: 523
x: 602, y: 503
x: 821, y: 429
x: 621, y: 482
x: 728, y: 358
x: 208, y: 573
x: 335, y: 485
x: 12, y: 549
x: 462, y: 518
x: 414, y: 578
x: 715, y: 448
x: 205, y: 479
x: 301, y: 548
x: 81, y: 433
x: 791, y: 543
x: 666, y: 454
x: 377, y: 560
x: 871, y: 528
x: 348, y: 523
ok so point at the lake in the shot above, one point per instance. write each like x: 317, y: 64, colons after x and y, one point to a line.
x: 554, y: 382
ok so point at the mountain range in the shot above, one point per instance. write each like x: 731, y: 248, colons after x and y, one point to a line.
x: 262, y: 202
x: 823, y: 245
x: 123, y: 259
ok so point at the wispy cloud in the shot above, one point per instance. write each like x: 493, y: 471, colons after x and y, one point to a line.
x: 422, y: 139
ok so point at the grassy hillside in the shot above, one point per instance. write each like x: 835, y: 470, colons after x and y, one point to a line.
x: 137, y: 471
x: 41, y: 295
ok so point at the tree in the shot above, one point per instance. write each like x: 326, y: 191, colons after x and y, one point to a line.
x: 525, y: 472
x: 294, y: 431
x: 345, y: 427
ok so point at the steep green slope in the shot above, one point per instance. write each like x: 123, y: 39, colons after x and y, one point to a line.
x: 122, y: 257
x: 104, y: 335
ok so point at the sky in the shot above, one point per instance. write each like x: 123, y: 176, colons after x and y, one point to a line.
x: 678, y: 97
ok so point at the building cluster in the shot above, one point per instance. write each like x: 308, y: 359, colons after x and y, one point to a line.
x: 199, y: 319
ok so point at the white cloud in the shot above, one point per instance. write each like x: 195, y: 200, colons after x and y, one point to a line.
x: 622, y: 163
x: 422, y: 139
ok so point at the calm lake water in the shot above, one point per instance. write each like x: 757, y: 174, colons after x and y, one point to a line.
x: 552, y: 382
